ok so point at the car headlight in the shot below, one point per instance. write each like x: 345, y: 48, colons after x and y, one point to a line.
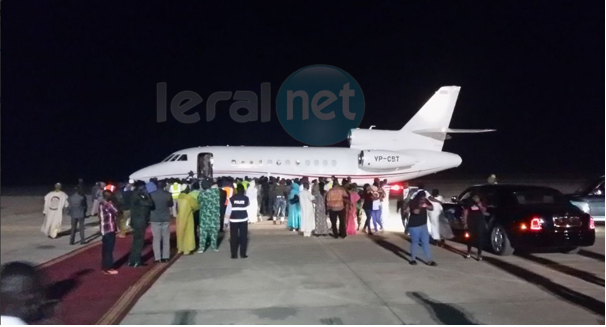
x: 582, y: 205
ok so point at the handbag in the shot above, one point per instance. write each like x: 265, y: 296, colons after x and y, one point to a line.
x: 294, y: 200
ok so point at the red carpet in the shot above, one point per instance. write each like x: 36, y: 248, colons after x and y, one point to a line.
x: 87, y: 296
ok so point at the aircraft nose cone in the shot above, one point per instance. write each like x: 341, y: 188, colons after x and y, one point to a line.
x: 140, y: 175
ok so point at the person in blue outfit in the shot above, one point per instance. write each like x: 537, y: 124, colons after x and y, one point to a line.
x: 294, y: 208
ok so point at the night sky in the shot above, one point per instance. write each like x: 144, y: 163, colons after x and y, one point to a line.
x: 79, y: 77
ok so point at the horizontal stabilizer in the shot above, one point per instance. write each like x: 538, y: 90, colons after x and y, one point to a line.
x: 452, y: 130
x: 441, y: 134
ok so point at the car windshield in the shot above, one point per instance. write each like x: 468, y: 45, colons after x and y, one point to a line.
x: 538, y: 196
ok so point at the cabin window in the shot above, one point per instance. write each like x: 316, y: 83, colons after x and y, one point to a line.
x: 269, y: 162
x: 260, y: 162
x: 334, y: 163
x: 287, y: 162
x: 298, y: 162
x: 278, y: 162
x: 242, y: 162
x: 325, y: 162
x: 252, y: 162
x: 307, y: 162
x: 183, y: 158
x: 316, y: 162
x: 233, y: 162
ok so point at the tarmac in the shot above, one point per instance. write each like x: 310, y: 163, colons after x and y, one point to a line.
x: 21, y: 239
x: 290, y: 279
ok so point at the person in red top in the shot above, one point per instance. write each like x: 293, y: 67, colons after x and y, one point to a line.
x: 108, y: 212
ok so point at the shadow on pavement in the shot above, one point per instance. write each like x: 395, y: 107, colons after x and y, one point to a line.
x: 92, y: 237
x: 592, y: 255
x: 583, y: 275
x: 454, y: 250
x: 185, y: 317
x: 381, y: 241
x: 546, y: 284
x: 442, y: 313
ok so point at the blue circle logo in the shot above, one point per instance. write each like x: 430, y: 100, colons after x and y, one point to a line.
x: 320, y: 104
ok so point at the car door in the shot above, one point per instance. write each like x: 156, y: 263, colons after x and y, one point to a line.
x: 490, y: 198
x: 455, y: 211
x: 596, y: 201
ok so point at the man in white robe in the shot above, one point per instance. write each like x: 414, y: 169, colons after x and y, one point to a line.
x: 433, y: 216
x: 253, y: 206
x: 308, y: 215
x: 54, y: 204
x: 385, y: 202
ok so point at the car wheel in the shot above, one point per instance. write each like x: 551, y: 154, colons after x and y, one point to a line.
x: 499, y: 242
x: 573, y: 250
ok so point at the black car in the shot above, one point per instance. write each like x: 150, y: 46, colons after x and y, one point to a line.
x: 526, y: 217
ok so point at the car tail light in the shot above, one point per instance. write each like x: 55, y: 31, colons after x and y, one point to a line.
x: 591, y: 223
x: 523, y: 226
x: 466, y: 234
x: 396, y: 187
x: 535, y: 223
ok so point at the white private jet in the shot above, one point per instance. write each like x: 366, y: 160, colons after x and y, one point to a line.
x: 413, y: 151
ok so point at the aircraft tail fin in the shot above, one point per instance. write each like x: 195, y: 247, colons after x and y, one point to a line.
x: 429, y: 127
x: 437, y: 112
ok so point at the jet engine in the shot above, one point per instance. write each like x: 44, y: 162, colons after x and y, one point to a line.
x: 384, y: 160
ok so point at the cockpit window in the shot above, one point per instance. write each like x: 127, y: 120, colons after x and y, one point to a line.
x: 183, y: 158
x: 168, y: 158
x: 175, y: 157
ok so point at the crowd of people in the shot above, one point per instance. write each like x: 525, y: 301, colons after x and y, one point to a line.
x: 203, y: 208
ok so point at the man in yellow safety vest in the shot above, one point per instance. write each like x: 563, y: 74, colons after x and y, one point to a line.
x: 175, y: 190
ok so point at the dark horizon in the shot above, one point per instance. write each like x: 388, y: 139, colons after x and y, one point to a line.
x: 80, y: 78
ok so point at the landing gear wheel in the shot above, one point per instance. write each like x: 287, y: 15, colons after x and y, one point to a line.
x: 499, y: 242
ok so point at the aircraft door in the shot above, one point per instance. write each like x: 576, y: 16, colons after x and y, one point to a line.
x: 205, y: 165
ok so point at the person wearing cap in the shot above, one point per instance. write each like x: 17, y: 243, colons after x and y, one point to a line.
x: 108, y: 213
x: 54, y: 203
x: 110, y: 187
